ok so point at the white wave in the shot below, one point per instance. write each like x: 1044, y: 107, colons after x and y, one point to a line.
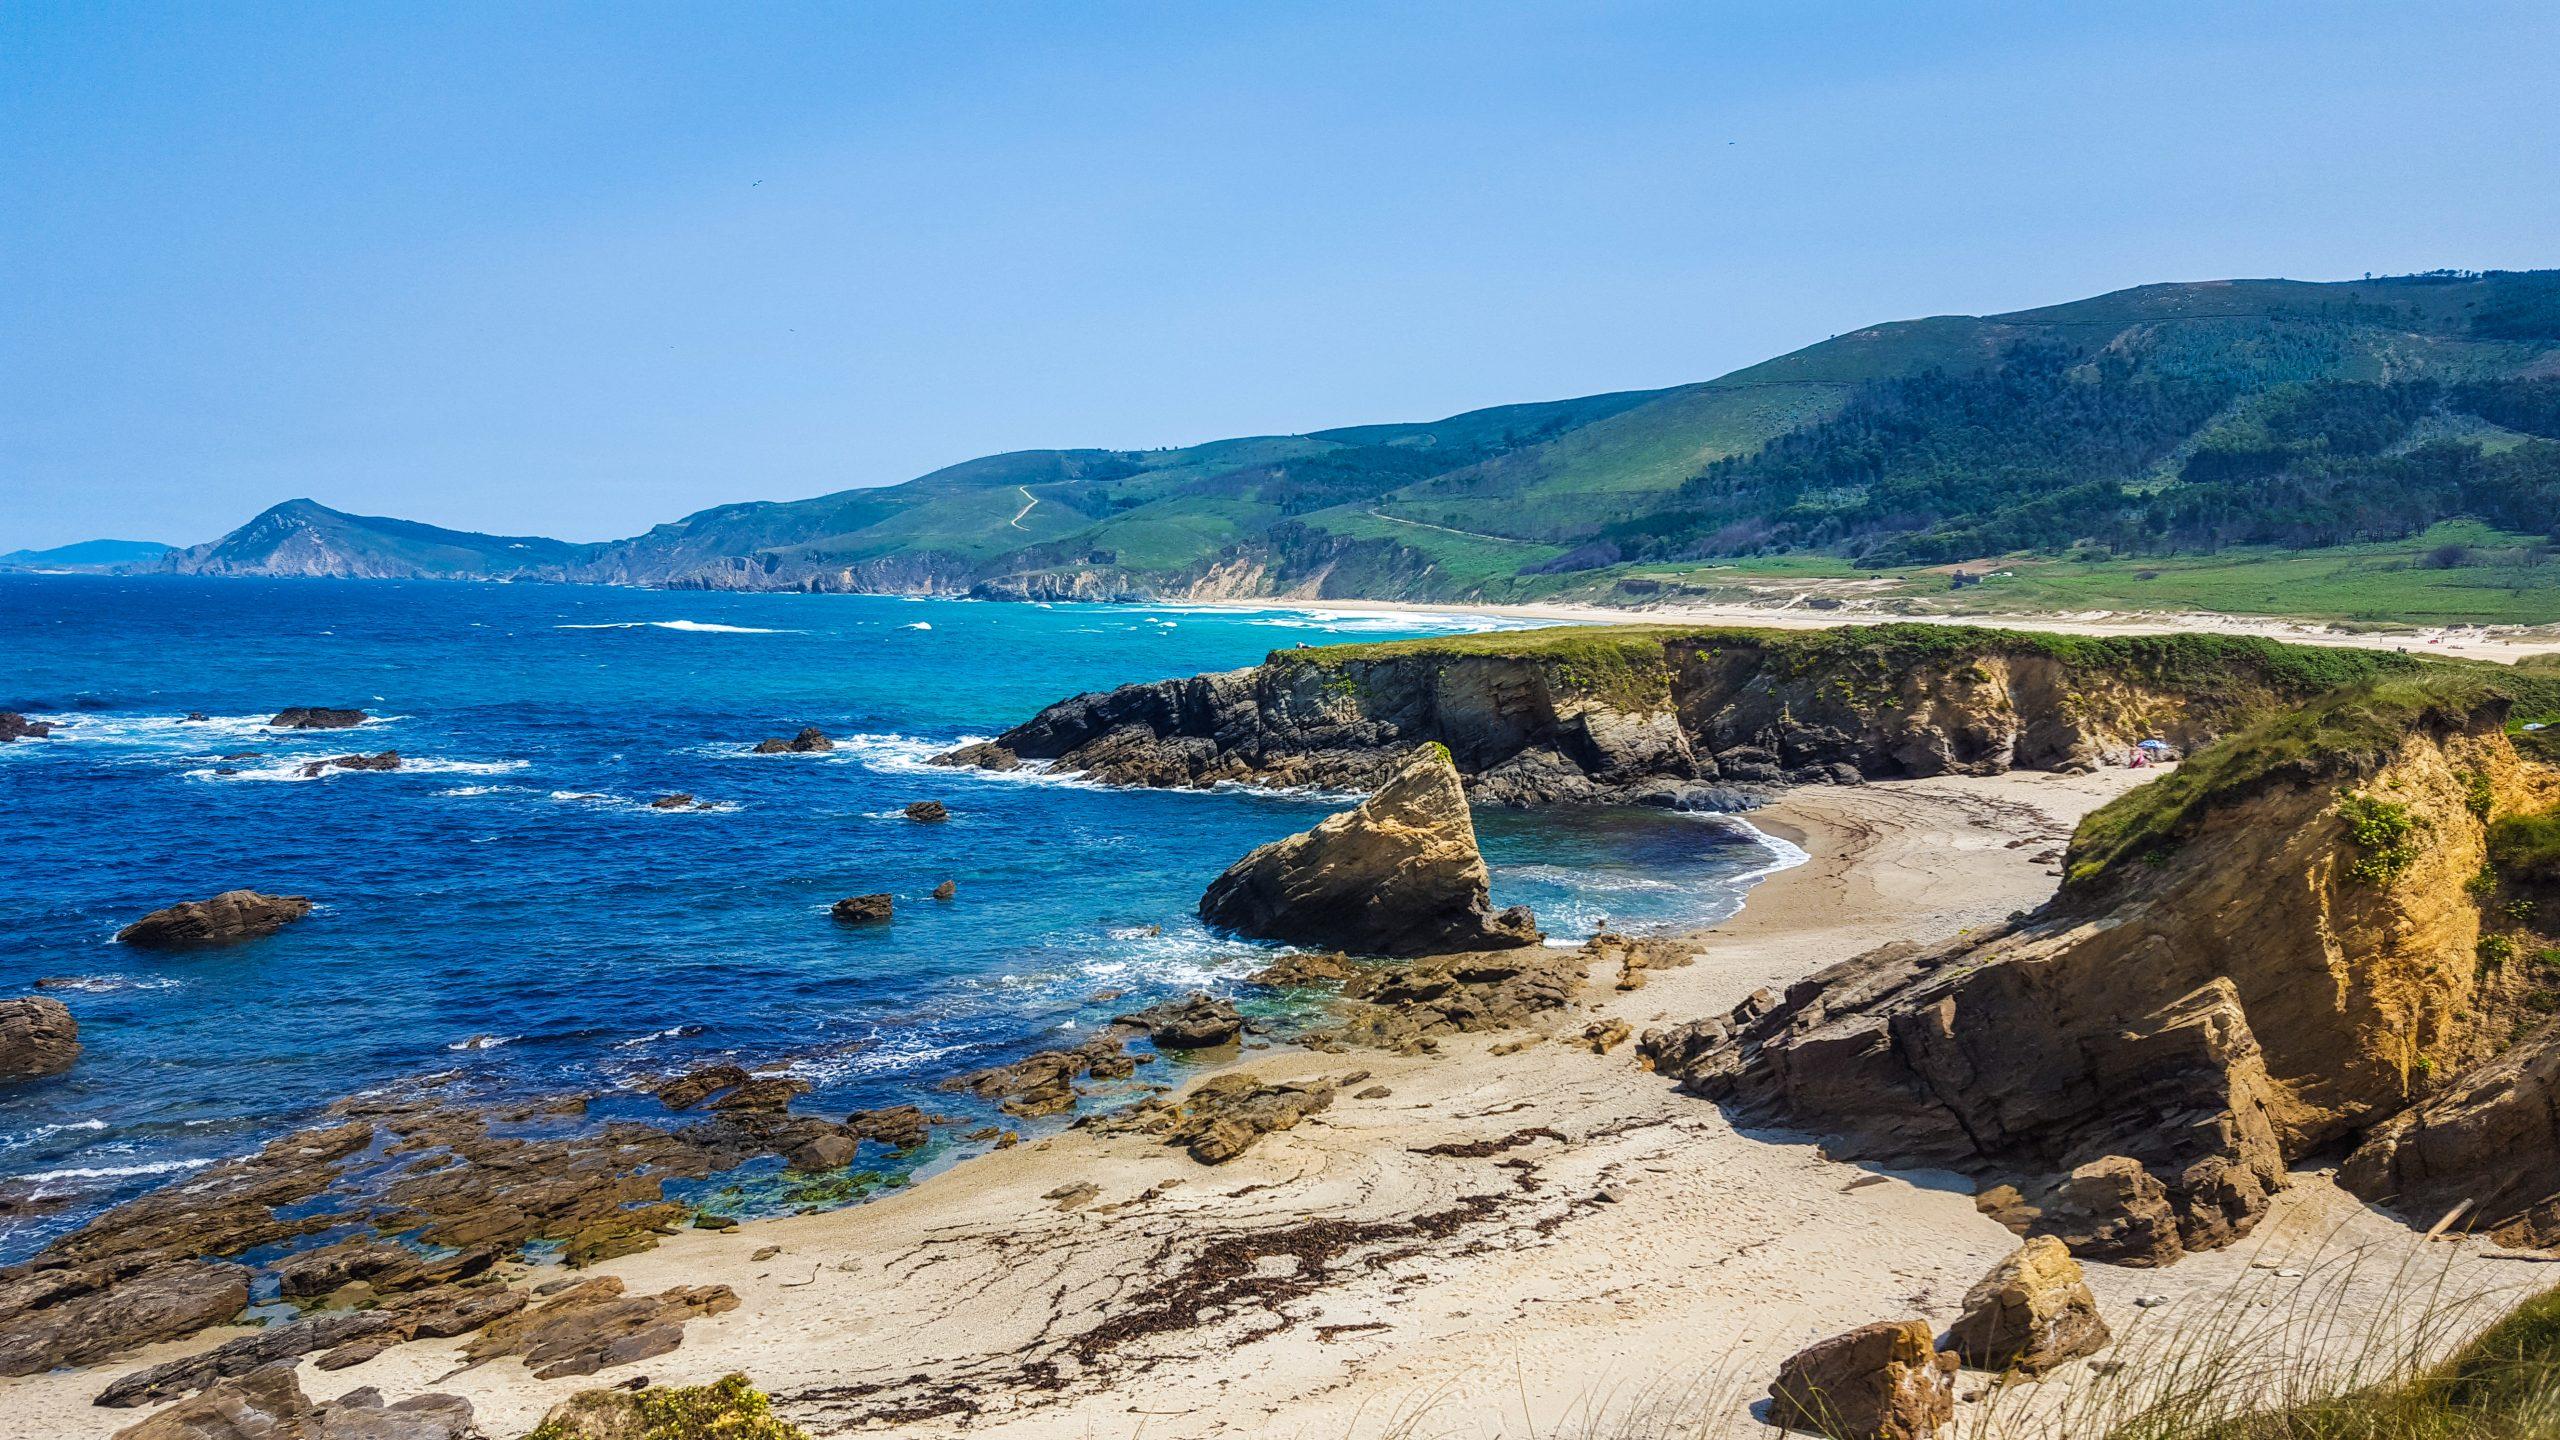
x: 672, y: 1032
x: 117, y: 1172
x: 697, y: 627
x: 919, y: 625
x: 484, y: 1042
x: 107, y: 984
x: 292, y: 768
x: 160, y: 731
x: 46, y: 1132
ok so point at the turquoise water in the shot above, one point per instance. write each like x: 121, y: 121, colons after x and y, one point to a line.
x: 507, y: 905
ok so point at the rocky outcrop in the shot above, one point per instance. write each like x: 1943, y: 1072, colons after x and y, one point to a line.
x: 1194, y: 1022
x: 268, y: 1404
x: 1399, y: 875
x: 2244, y: 967
x: 14, y: 726
x: 1681, y: 717
x: 387, y: 760
x: 1044, y: 1083
x: 593, y: 1324
x: 1885, y: 1381
x: 864, y: 909
x: 2032, y: 1312
x: 56, y: 1317
x: 38, y: 1037
x: 1223, y: 1117
x: 231, y: 916
x: 2484, y: 1152
x: 811, y: 740
x: 315, y: 717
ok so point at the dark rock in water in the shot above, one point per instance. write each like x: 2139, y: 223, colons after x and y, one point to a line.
x: 863, y: 909
x: 695, y: 1086
x: 1400, y: 875
x: 1044, y: 1083
x: 1885, y: 1381
x: 387, y: 760
x: 900, y: 1127
x: 810, y: 739
x: 194, y: 717
x: 1194, y: 1022
x: 1223, y: 1117
x: 38, y: 1037
x: 763, y: 1093
x: 672, y: 802
x: 230, y: 916
x: 1311, y: 968
x: 316, y: 717
x: 1717, y: 799
x: 984, y: 755
x: 52, y: 1318
x: 946, y: 890
x: 928, y: 811
x: 14, y: 726
x: 593, y: 1324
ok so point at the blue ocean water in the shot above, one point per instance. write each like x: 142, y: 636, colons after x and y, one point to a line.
x: 507, y: 904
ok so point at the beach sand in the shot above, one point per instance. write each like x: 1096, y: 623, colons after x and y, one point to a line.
x: 1651, y: 1265
x: 2505, y: 644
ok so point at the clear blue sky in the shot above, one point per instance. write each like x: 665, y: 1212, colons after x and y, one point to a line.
x: 577, y: 269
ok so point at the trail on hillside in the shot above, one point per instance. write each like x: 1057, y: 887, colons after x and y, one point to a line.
x: 1028, y: 500
x: 1445, y: 530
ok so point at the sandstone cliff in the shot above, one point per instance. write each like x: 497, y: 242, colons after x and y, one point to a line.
x: 2251, y: 960
x: 1664, y: 714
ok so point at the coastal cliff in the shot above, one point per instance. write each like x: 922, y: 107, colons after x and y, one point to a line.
x: 1673, y: 715
x: 2252, y: 960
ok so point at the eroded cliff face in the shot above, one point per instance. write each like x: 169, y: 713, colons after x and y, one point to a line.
x: 2134, y: 1066
x: 1663, y: 718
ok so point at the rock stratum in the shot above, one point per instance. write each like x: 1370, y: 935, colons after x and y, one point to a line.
x: 2284, y: 945
x: 1684, y: 717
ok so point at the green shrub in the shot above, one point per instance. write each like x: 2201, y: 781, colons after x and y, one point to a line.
x: 726, y: 1409
x: 2527, y: 847
x: 2476, y: 794
x: 2496, y: 950
x: 2386, y: 830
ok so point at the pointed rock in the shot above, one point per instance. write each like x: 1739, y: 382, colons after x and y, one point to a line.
x: 1400, y: 875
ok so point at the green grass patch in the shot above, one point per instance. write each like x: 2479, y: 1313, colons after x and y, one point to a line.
x: 2527, y: 847
x: 725, y: 1409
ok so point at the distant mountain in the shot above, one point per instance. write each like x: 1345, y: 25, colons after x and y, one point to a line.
x: 303, y: 538
x: 86, y: 555
x: 2165, y: 418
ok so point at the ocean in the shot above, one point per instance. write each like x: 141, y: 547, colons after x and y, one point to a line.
x: 507, y: 905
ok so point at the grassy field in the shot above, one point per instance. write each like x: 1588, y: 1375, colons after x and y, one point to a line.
x: 2495, y: 579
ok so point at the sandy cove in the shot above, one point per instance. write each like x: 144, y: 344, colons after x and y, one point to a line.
x: 1335, y: 1282
x: 2505, y: 644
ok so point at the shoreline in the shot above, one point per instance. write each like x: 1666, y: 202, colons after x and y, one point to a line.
x: 2505, y: 644
x: 1554, y: 1232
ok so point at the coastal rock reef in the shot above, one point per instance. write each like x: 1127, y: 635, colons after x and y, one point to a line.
x: 2299, y: 935
x: 1676, y: 716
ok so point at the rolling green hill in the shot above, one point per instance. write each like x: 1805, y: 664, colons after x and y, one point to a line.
x: 2154, y: 427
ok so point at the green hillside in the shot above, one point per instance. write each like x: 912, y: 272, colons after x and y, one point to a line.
x: 2164, y: 440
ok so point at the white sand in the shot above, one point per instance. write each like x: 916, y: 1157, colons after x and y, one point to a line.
x: 1718, y: 1254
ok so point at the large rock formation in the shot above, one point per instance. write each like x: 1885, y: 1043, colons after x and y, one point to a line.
x: 2484, y: 1152
x: 1399, y: 875
x: 315, y: 717
x: 14, y: 726
x: 38, y: 1037
x: 227, y: 917
x: 268, y: 1404
x: 1660, y: 714
x: 2252, y: 960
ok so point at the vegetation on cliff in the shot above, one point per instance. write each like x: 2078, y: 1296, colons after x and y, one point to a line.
x: 2332, y: 740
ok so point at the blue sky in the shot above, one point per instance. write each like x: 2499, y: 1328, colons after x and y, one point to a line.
x: 578, y: 269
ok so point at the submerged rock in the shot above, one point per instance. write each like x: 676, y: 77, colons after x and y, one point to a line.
x: 1399, y: 875
x: 984, y: 755
x: 1194, y: 1022
x: 928, y: 811
x: 38, y: 1037
x: 863, y: 909
x: 677, y: 801
x: 14, y: 726
x: 316, y: 717
x: 2032, y: 1312
x: 387, y: 760
x: 230, y: 916
x: 810, y: 739
x: 1886, y: 1381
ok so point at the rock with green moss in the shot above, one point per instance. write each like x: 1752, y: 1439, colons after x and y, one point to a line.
x: 726, y: 1409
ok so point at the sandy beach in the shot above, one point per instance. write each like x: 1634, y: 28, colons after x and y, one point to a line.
x: 1586, y: 1245
x: 2503, y: 643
